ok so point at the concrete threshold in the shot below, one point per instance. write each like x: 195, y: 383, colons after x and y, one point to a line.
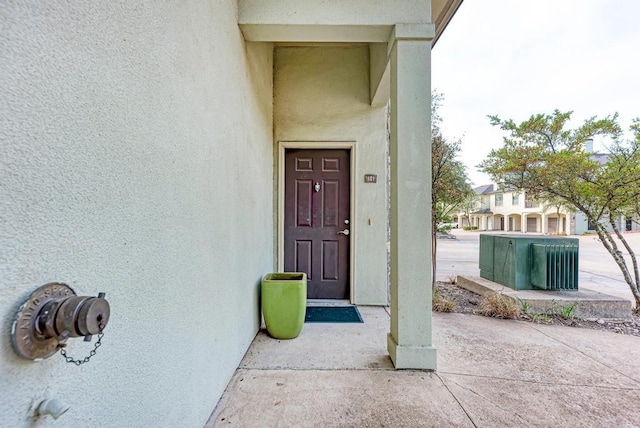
x: 589, y: 304
x: 328, y: 302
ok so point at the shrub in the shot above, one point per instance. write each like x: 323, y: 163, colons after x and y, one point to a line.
x: 499, y: 306
x: 441, y: 303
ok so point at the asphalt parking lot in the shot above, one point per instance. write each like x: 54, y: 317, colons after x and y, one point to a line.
x: 597, y: 269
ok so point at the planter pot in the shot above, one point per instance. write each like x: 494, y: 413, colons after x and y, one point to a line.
x: 284, y: 302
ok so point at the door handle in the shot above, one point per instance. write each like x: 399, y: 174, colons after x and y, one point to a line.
x: 344, y: 232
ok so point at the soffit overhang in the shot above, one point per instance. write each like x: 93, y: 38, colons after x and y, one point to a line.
x: 338, y: 21
x: 375, y: 22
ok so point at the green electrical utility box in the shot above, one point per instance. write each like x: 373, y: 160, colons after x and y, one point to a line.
x: 527, y: 262
x: 554, y: 267
x: 486, y: 256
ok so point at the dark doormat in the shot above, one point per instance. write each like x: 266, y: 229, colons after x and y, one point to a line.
x: 333, y: 314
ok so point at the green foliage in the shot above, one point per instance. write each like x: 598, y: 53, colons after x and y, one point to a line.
x: 445, y: 227
x: 449, y: 182
x: 525, y: 308
x: 567, y: 311
x: 549, y: 161
x: 540, y: 318
x: 564, y: 311
x: 470, y: 228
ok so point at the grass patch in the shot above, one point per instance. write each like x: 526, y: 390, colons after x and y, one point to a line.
x: 526, y: 313
x: 441, y: 303
x: 540, y: 318
x: 564, y: 311
x: 498, y: 305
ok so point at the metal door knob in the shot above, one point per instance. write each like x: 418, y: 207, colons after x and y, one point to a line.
x: 344, y: 232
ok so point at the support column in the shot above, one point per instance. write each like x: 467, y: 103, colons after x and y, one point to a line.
x: 545, y: 223
x: 524, y: 223
x: 410, y: 342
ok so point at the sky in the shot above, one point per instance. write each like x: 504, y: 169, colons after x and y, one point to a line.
x: 519, y: 58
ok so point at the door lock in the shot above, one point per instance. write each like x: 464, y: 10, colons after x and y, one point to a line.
x: 51, y: 315
x: 344, y: 232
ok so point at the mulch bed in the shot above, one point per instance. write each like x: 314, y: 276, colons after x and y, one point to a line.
x: 467, y: 302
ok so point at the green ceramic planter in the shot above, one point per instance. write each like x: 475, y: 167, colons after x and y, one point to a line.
x: 284, y: 302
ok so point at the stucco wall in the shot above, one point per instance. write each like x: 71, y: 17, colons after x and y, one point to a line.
x: 136, y: 159
x: 352, y: 12
x: 322, y: 94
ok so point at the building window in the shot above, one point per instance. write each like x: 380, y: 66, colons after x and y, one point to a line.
x: 485, y: 203
x: 499, y: 199
x: 531, y: 203
x: 515, y: 199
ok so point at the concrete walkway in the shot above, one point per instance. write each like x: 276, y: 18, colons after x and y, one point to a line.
x: 491, y: 373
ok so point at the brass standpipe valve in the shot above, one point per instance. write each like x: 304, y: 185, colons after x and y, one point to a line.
x: 51, y: 315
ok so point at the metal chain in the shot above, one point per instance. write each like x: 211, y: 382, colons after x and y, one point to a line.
x: 86, y: 359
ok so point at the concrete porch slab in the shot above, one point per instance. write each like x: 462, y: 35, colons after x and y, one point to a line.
x: 491, y: 373
x: 321, y: 398
x: 323, y: 346
x: 589, y: 304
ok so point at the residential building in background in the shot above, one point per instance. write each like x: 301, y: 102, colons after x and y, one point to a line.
x: 512, y: 210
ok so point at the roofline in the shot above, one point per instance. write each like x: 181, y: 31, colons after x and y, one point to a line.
x: 443, y: 19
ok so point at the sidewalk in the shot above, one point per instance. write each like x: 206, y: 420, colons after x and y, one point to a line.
x: 490, y: 373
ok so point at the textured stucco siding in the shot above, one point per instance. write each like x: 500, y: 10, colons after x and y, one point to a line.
x: 136, y: 158
x: 321, y: 94
x: 323, y: 12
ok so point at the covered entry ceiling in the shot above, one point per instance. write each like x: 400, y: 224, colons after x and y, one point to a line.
x: 359, y: 21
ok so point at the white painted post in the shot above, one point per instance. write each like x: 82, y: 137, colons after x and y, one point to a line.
x: 410, y: 341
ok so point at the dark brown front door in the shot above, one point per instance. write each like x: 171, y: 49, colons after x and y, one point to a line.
x: 316, y: 223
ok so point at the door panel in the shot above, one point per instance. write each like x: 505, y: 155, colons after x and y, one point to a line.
x: 316, y: 208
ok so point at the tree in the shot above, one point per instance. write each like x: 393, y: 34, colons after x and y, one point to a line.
x: 542, y: 157
x: 450, y: 186
x: 467, y: 206
x: 552, y: 201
